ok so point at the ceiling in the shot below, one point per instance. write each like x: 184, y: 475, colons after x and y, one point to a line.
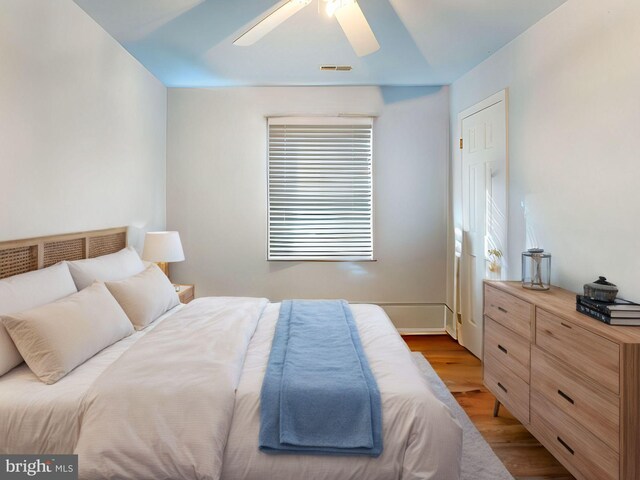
x: 189, y: 43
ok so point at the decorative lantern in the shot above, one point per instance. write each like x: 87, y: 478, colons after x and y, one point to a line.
x: 536, y: 269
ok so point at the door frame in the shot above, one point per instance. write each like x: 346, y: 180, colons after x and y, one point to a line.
x: 501, y: 96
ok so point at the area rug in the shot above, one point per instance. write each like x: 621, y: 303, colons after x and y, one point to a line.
x: 478, y: 460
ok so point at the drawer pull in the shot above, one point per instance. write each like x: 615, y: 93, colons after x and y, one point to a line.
x: 565, y: 325
x: 502, y: 349
x: 562, y: 442
x: 566, y: 397
x: 502, y: 387
x: 502, y: 310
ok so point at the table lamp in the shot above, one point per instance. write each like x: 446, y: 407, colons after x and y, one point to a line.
x: 163, y: 248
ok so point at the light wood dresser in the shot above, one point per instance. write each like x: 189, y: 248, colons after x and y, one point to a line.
x: 573, y: 381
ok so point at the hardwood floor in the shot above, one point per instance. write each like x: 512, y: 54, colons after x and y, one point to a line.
x: 521, y: 453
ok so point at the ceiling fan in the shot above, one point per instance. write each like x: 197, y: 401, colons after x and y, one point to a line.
x: 347, y: 12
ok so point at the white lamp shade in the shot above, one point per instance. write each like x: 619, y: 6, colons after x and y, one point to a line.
x: 162, y: 247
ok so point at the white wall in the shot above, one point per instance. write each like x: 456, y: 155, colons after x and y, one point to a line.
x: 216, y: 196
x: 82, y: 126
x: 574, y: 95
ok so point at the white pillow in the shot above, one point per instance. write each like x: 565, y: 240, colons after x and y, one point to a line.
x: 25, y: 291
x: 57, y: 337
x: 114, y: 266
x: 145, y: 296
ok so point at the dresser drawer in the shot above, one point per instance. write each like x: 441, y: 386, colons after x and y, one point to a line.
x: 597, y: 411
x: 513, y: 349
x: 508, y: 310
x: 583, y: 453
x: 508, y: 388
x: 586, y: 352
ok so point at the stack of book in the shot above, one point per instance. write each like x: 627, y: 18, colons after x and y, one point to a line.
x: 618, y: 312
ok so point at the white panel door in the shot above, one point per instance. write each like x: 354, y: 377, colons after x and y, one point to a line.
x: 484, y: 210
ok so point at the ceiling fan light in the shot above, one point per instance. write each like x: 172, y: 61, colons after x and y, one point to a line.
x: 334, y: 5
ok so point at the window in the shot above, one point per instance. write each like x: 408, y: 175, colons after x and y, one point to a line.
x: 320, y: 189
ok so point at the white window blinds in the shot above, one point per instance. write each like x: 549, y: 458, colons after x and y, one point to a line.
x: 320, y: 189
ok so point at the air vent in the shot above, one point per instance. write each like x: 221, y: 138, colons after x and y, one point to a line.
x: 336, y: 68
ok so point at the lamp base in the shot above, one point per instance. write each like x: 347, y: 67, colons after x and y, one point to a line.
x: 164, y: 266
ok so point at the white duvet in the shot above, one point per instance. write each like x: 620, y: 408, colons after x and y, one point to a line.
x: 421, y: 438
x: 182, y: 402
x: 38, y: 418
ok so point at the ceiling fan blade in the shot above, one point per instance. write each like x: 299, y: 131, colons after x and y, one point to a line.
x: 357, y: 29
x: 270, y: 22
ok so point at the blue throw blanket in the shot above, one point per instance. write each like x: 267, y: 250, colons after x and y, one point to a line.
x: 319, y: 395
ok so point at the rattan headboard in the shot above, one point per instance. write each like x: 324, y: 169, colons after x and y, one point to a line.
x: 20, y: 256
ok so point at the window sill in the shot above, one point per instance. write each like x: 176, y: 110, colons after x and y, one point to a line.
x: 324, y: 260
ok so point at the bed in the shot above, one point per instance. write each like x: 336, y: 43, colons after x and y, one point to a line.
x: 181, y: 399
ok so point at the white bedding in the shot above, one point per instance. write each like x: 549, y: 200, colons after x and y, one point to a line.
x: 151, y: 407
x: 421, y: 438
x: 163, y: 411
x: 39, y: 418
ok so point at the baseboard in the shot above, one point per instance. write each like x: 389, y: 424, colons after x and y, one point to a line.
x: 417, y: 318
x: 450, y: 323
x: 421, y: 331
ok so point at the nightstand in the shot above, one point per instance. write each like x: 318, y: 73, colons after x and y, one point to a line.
x: 186, y: 292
